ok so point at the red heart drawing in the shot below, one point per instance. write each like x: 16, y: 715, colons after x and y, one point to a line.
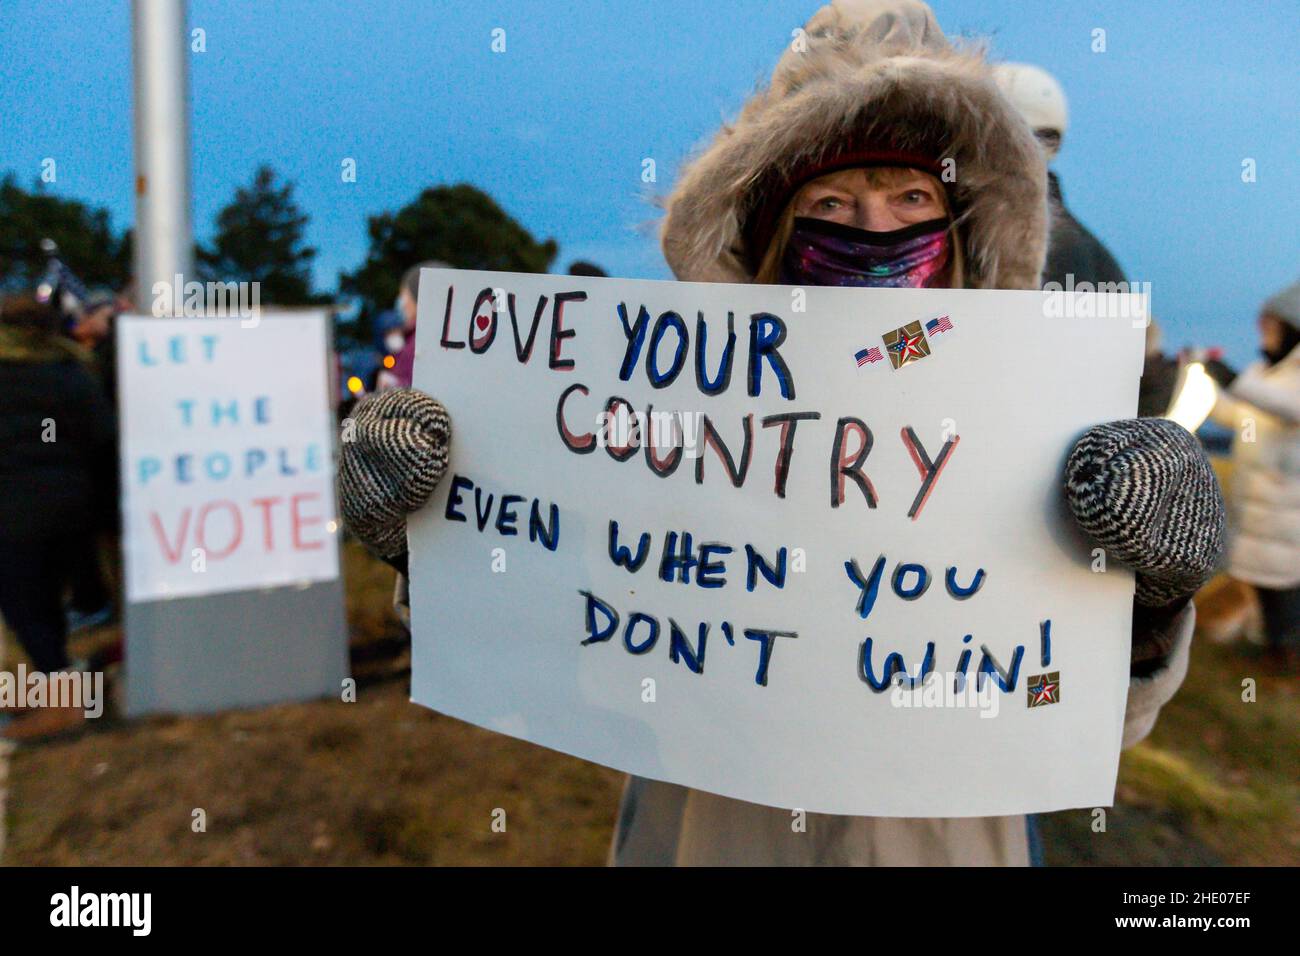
x: 482, y: 322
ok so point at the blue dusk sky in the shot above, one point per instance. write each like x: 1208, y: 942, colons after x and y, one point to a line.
x: 556, y: 127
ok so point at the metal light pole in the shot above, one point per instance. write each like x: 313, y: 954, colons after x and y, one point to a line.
x: 164, y: 239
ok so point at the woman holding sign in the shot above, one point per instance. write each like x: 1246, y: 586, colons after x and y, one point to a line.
x: 878, y: 156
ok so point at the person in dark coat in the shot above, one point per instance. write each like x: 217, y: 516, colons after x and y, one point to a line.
x: 91, y: 599
x: 1075, y: 255
x: 1071, y: 249
x: 58, y: 432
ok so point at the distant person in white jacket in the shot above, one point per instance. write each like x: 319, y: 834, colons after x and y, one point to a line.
x: 1262, y: 406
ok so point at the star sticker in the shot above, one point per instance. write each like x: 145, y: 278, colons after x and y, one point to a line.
x: 910, y: 346
x: 1044, y: 693
x: 1044, y: 689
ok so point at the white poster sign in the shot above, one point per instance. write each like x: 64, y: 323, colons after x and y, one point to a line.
x: 227, y: 454
x: 802, y: 547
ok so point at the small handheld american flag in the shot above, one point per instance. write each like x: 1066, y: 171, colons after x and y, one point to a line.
x: 867, y: 356
x: 941, y: 324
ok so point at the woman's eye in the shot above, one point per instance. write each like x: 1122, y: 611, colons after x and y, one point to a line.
x: 916, y: 197
x: 829, y: 202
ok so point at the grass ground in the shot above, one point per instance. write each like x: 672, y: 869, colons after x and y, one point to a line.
x: 382, y: 781
x: 1218, y: 780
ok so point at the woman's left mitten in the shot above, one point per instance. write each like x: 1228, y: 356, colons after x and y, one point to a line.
x: 1145, y: 491
x: 391, y: 461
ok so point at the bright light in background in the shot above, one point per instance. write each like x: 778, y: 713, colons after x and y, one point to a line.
x: 389, y: 361
x: 355, y: 386
x: 1194, y: 397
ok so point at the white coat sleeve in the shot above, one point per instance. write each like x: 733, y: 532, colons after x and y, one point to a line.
x: 1227, y: 411
x: 1276, y: 398
x: 1146, y: 695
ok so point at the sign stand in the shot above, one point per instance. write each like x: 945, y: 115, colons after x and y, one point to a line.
x: 243, y: 649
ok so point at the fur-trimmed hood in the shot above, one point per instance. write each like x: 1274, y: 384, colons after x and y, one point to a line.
x: 880, y: 71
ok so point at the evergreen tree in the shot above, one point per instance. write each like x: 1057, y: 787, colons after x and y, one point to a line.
x: 260, y: 239
x: 459, y: 225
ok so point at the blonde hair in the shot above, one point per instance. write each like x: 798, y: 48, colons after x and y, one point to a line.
x: 880, y: 177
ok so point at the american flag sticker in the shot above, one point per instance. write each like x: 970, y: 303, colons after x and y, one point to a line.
x: 868, y: 356
x: 941, y: 324
x: 1045, y: 689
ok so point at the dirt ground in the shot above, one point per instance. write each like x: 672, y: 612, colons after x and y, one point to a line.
x: 382, y: 781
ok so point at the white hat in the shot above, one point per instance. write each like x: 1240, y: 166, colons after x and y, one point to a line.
x: 1036, y: 94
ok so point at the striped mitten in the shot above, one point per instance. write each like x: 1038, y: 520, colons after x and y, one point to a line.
x: 393, y: 456
x: 1145, y: 491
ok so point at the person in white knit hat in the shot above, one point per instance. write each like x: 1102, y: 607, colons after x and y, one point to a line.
x: 879, y: 155
x: 1073, y: 251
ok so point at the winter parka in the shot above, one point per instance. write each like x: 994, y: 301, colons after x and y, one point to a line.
x: 878, y: 70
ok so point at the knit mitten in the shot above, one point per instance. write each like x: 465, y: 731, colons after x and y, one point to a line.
x: 393, y: 456
x: 1145, y: 491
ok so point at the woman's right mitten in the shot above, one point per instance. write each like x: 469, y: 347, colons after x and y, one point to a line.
x: 393, y: 457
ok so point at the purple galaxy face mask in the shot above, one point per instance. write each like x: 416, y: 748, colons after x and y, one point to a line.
x: 820, y: 252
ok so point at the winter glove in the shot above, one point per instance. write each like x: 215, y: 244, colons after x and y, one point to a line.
x: 393, y: 457
x: 1222, y: 373
x: 1145, y: 491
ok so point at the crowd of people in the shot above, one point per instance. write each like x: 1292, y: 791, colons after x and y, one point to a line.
x: 833, y: 175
